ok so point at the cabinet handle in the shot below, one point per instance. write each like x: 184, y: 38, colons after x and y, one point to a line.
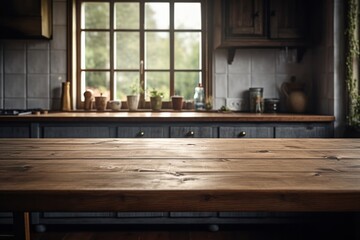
x: 190, y: 134
x: 273, y: 13
x: 256, y: 14
x: 242, y: 134
x: 141, y: 134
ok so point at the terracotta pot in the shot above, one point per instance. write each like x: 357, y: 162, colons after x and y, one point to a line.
x: 177, y: 102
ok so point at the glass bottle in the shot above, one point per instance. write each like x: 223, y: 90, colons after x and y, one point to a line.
x: 199, y: 98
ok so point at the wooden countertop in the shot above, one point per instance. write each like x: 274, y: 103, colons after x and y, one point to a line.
x: 180, y: 175
x: 170, y: 116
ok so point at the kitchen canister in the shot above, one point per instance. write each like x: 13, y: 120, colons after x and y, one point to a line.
x: 65, y: 97
x: 271, y: 105
x: 256, y: 100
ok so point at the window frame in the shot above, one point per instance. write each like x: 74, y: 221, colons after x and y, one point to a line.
x: 74, y: 50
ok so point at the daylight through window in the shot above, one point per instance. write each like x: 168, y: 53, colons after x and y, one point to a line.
x: 152, y: 44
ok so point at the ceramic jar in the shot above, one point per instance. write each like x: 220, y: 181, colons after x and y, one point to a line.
x: 100, y: 103
x: 296, y: 99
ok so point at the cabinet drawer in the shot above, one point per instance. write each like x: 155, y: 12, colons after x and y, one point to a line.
x: 246, y: 132
x: 141, y: 214
x: 77, y: 214
x: 306, y: 131
x: 192, y: 214
x: 76, y: 132
x: 192, y: 132
x: 142, y: 132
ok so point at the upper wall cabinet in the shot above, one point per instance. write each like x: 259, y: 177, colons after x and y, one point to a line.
x: 26, y: 19
x: 262, y: 23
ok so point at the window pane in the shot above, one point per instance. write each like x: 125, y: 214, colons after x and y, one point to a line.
x: 124, y: 81
x: 160, y: 81
x: 185, y: 83
x: 98, y: 82
x: 157, y: 16
x: 157, y: 50
x: 127, y: 50
x: 95, y: 15
x: 187, y: 50
x: 187, y: 16
x: 127, y: 16
x: 95, y: 49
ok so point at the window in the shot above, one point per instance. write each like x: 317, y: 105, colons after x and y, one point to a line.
x: 152, y: 44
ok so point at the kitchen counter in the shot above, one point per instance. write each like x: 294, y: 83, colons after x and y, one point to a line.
x: 170, y: 116
x: 295, y: 175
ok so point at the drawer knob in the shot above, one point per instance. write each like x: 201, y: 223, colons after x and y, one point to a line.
x: 242, y: 134
x: 190, y: 134
x: 141, y: 134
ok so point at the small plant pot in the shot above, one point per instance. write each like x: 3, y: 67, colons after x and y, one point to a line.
x: 156, y: 103
x: 177, y: 102
x: 100, y: 103
x: 132, y: 102
x: 115, y: 105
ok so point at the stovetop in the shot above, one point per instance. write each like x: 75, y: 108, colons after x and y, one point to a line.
x: 18, y: 112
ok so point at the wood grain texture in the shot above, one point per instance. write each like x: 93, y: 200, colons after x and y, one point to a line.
x: 180, y: 175
x: 169, y: 116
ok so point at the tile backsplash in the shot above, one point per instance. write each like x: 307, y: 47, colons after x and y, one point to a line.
x: 31, y: 71
x: 267, y: 68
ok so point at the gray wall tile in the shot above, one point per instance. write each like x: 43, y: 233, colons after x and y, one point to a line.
x: 55, y: 104
x: 14, y: 85
x: 1, y: 58
x: 58, y: 61
x: 239, y: 84
x: 38, y: 103
x: 59, y: 13
x: 17, y: 103
x: 38, y: 45
x: 15, y: 45
x: 38, y: 86
x: 220, y: 61
x: 56, y: 81
x: 15, y: 61
x: 38, y: 61
x: 219, y: 102
x: 221, y: 85
x: 262, y: 61
x: 59, y: 38
x: 266, y: 81
x: 242, y: 62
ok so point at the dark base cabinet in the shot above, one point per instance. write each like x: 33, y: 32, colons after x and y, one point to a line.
x: 159, y: 130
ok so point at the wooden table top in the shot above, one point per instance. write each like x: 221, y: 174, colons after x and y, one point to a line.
x: 170, y: 116
x: 180, y: 174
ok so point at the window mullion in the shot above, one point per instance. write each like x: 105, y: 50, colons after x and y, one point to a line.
x: 112, y: 55
x: 142, y: 51
x: 172, y: 50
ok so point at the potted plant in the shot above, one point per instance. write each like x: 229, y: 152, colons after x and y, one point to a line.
x: 133, y: 98
x: 351, y: 75
x: 156, y: 99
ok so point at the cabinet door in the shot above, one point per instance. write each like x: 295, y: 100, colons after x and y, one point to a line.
x: 189, y: 132
x: 305, y: 131
x: 287, y: 19
x: 246, y: 132
x: 14, y: 132
x: 142, y: 132
x: 245, y: 17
